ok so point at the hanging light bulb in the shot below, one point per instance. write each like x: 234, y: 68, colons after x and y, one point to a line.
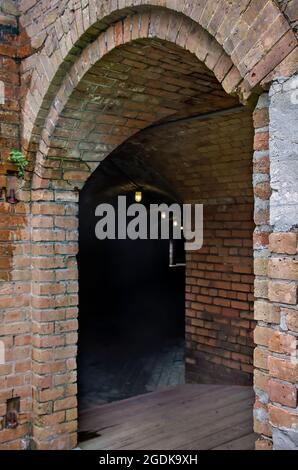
x: 138, y: 196
x: 175, y: 223
x: 163, y: 215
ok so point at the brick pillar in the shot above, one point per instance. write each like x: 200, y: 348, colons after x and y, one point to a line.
x: 276, y: 269
x: 54, y: 318
x: 15, y: 328
x: 283, y: 264
x: 263, y: 313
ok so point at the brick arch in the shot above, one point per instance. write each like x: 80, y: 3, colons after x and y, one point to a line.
x: 252, y: 58
x: 211, y: 70
x: 54, y: 278
x: 62, y: 165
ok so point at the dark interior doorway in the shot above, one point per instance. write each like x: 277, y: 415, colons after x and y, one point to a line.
x: 132, y: 302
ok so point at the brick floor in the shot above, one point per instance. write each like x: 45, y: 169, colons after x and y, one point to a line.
x: 110, y: 373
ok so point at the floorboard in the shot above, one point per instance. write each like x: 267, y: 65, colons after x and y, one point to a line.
x: 186, y: 417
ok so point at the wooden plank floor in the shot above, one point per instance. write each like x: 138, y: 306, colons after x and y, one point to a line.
x: 187, y: 417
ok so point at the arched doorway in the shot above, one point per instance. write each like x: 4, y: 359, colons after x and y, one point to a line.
x: 48, y: 48
x: 112, y: 100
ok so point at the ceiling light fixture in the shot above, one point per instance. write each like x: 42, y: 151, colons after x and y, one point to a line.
x: 138, y: 196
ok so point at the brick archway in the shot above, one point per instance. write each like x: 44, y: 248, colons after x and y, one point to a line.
x: 242, y: 69
x: 94, y: 112
x: 133, y: 30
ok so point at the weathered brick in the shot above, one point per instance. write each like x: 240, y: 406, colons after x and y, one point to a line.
x: 261, y: 141
x: 261, y: 118
x: 261, y: 380
x: 262, y: 335
x: 283, y: 243
x: 65, y: 403
x: 291, y: 319
x: 263, y: 190
x: 281, y: 417
x: 260, y: 266
x: 261, y: 358
x: 261, y: 240
x: 262, y: 427
x: 284, y: 292
x: 283, y: 369
x: 282, y: 343
x: 263, y: 444
x: 283, y: 393
x: 261, y: 288
x: 283, y: 269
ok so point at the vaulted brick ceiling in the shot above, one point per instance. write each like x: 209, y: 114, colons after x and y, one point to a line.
x: 150, y: 82
x: 208, y: 160
x: 131, y: 88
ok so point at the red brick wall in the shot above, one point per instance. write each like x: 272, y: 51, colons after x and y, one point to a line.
x: 275, y: 356
x: 219, y: 299
x: 209, y: 161
x: 15, y: 325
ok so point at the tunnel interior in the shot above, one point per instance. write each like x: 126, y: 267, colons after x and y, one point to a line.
x: 156, y: 118
x: 132, y: 322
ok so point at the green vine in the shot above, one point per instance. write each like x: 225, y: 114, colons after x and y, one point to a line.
x: 20, y: 160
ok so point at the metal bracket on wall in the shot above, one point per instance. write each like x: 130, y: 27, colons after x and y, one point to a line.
x: 12, y: 412
x: 8, y: 171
